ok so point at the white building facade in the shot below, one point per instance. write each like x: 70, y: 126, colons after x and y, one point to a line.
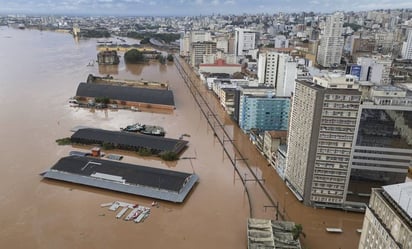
x: 332, y: 41
x: 245, y: 40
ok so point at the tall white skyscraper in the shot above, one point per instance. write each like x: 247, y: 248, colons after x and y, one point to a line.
x: 278, y: 70
x: 407, y: 47
x: 332, y: 41
x: 245, y: 40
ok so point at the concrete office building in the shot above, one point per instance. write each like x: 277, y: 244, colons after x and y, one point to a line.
x: 321, y: 131
x: 278, y: 70
x: 185, y: 44
x: 245, y: 40
x: 199, y: 49
x: 388, y: 219
x: 187, y: 38
x: 271, y: 68
x: 332, y: 41
x: 382, y: 150
x: 263, y: 113
x: 375, y: 69
x: 260, y: 109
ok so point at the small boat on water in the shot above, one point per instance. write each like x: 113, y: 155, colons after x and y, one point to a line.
x: 135, y: 109
x: 73, y: 102
x: 152, y: 130
x: 134, y: 127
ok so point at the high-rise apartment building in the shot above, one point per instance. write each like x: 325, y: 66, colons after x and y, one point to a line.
x: 322, y: 126
x: 187, y: 38
x: 199, y: 49
x: 388, y: 219
x: 278, y: 70
x: 185, y: 44
x: 271, y: 67
x: 332, y: 41
x: 407, y: 47
x: 245, y: 40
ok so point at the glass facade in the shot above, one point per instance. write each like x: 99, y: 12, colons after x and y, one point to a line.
x: 263, y: 113
x: 382, y: 152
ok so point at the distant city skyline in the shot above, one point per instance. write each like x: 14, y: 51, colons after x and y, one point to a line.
x: 190, y: 7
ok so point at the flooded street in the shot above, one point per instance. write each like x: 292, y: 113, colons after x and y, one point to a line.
x: 40, y: 71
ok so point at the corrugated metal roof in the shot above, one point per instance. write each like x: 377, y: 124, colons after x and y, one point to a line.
x: 139, y: 180
x: 128, y: 139
x: 133, y: 94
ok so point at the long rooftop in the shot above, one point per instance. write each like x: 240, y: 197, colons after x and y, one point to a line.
x: 125, y: 93
x: 128, y: 141
x: 123, y: 177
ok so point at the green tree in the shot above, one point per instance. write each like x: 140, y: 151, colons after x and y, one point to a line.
x: 144, y: 151
x: 297, y: 230
x: 161, y: 59
x: 134, y: 56
x: 64, y: 141
x: 103, y: 100
x: 170, y: 57
x: 108, y: 146
x: 169, y: 156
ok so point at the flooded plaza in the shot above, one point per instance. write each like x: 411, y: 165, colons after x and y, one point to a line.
x: 40, y: 71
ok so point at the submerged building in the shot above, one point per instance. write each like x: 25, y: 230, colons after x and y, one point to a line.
x: 108, y: 58
x: 322, y: 127
x: 128, y: 141
x: 127, y: 178
x: 131, y: 96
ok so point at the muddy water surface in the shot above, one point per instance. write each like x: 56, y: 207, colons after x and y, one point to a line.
x: 40, y: 71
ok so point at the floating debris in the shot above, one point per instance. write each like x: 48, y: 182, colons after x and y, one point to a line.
x: 115, y: 157
x: 138, y: 214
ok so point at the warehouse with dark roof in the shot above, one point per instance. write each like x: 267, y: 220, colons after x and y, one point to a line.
x: 140, y: 180
x: 128, y: 141
x: 125, y: 95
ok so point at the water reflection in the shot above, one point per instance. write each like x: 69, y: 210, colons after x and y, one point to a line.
x: 162, y: 68
x: 216, y: 212
x: 109, y: 69
x: 135, y: 69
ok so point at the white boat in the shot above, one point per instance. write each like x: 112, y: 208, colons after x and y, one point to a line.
x: 334, y: 230
x: 122, y: 212
x: 141, y: 216
x: 73, y: 102
x: 131, y: 214
x: 114, y: 206
x: 135, y: 109
x: 106, y: 204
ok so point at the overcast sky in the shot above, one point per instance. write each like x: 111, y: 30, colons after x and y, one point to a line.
x: 191, y: 7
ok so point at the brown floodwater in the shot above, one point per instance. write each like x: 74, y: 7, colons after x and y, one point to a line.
x: 40, y: 71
